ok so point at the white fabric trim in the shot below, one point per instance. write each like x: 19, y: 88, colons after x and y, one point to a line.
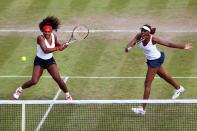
x: 150, y: 50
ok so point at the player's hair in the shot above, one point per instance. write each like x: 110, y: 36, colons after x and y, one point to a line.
x: 152, y: 30
x: 50, y: 20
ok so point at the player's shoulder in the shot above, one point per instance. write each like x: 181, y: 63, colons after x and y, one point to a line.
x: 154, y: 38
x: 40, y: 37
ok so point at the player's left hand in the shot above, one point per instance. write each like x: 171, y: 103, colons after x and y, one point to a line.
x: 126, y: 50
x: 188, y: 46
x: 62, y: 47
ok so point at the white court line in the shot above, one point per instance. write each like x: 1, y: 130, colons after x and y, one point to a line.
x: 100, y: 30
x: 134, y: 77
x: 50, y: 107
x: 101, y: 77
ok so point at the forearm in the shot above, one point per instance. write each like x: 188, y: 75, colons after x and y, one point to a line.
x: 61, y: 46
x: 129, y: 45
x: 179, y: 46
x: 50, y: 50
x: 132, y: 42
x: 168, y: 44
x: 58, y: 44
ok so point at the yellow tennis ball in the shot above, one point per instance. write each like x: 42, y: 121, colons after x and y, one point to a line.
x: 23, y: 58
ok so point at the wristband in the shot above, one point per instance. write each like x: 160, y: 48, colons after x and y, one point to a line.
x: 67, y: 43
x: 129, y: 48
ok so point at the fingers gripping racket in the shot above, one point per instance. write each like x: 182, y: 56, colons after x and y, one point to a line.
x: 80, y: 32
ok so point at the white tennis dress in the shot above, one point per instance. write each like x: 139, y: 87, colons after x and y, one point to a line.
x: 150, y: 50
x: 40, y: 52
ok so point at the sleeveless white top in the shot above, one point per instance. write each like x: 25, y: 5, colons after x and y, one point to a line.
x: 40, y: 52
x: 150, y: 50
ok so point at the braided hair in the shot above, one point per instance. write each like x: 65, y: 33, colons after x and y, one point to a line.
x: 51, y: 21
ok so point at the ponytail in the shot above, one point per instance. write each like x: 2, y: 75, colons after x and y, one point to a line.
x: 153, y: 30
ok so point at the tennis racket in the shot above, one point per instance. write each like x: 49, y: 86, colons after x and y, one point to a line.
x: 79, y: 33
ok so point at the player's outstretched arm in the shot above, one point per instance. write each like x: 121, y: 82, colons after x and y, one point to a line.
x: 187, y: 46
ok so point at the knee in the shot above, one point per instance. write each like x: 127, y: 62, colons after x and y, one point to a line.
x: 34, y: 81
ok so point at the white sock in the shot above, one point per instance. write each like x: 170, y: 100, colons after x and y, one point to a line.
x: 67, y: 94
x: 20, y: 89
x: 180, y: 87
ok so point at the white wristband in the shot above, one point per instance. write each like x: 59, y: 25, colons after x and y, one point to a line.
x: 129, y: 48
x: 67, y: 43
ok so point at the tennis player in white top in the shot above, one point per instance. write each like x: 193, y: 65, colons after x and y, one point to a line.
x: 47, y: 43
x: 147, y: 42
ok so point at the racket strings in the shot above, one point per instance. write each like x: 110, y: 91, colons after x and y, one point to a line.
x: 80, y: 33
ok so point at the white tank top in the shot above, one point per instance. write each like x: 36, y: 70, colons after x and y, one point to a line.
x: 150, y: 50
x: 40, y: 52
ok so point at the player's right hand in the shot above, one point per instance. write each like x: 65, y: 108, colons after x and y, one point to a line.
x: 126, y: 50
x: 61, y: 47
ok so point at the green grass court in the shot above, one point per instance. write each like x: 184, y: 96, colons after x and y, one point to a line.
x: 102, y: 53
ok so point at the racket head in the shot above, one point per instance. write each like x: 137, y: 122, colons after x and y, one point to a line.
x: 64, y: 34
x: 80, y: 32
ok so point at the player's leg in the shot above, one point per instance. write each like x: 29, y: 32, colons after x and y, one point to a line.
x: 37, y: 72
x: 178, y: 88
x: 151, y: 72
x: 53, y: 70
x: 147, y: 85
x: 167, y: 78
